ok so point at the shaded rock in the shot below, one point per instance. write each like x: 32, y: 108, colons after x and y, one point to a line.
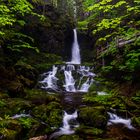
x: 93, y: 116
x: 26, y: 73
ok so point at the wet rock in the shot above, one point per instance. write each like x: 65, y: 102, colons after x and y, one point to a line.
x: 93, y: 116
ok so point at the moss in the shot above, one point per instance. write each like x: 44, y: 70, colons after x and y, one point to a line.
x: 18, y: 105
x: 8, y: 134
x: 69, y: 137
x: 40, y: 96
x: 136, y: 121
x: 93, y: 116
x: 51, y: 114
x: 43, y: 61
x: 10, y: 129
x: 3, y: 95
x: 86, y: 130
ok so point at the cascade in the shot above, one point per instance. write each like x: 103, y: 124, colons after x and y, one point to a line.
x: 66, y: 128
x: 76, y: 78
x: 49, y: 79
x: 114, y: 119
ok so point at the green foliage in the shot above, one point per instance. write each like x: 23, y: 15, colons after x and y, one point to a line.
x: 2, y: 103
x: 26, y: 122
x: 115, y: 26
x: 109, y: 16
x: 12, y: 20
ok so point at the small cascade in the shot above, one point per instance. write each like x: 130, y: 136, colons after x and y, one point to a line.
x: 66, y: 129
x: 86, y: 85
x: 50, y: 80
x: 69, y: 82
x: 114, y: 119
x: 20, y: 116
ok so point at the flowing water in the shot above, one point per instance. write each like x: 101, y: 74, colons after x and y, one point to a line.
x: 114, y: 119
x: 75, y: 80
x: 75, y: 59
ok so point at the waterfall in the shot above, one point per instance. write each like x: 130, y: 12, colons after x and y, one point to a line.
x: 75, y: 50
x: 75, y: 59
x: 83, y: 74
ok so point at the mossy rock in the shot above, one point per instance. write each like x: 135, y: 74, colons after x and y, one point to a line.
x: 10, y: 129
x: 18, y: 105
x: 15, y: 88
x: 86, y: 130
x: 40, y: 97
x: 4, y: 109
x: 27, y: 74
x: 69, y: 137
x: 136, y: 121
x: 7, y: 134
x: 93, y: 116
x: 51, y: 114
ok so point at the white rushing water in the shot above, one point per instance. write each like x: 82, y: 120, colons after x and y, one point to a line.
x: 71, y: 82
x: 66, y: 128
x: 50, y: 80
x: 75, y: 59
x: 114, y: 119
x: 85, y: 86
x: 20, y: 116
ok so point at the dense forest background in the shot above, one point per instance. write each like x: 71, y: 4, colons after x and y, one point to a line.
x: 36, y: 34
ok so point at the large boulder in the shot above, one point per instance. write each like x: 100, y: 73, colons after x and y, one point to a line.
x: 93, y: 116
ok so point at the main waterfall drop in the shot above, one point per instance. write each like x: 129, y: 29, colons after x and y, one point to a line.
x: 76, y: 59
